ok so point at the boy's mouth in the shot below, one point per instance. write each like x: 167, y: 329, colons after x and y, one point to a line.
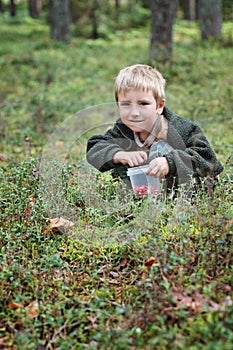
x: 136, y: 121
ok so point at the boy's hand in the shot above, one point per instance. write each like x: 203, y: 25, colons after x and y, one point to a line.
x: 158, y: 167
x: 131, y: 158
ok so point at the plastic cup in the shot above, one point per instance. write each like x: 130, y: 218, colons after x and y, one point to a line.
x: 141, y: 183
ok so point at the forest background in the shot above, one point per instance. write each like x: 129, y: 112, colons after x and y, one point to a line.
x: 100, y: 272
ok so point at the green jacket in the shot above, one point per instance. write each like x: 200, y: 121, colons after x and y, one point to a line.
x: 191, y: 157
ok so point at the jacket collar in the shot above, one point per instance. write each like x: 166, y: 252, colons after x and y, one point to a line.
x: 167, y: 113
x: 124, y: 130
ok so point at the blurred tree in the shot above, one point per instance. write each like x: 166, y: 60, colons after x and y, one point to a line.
x: 163, y: 15
x: 87, y: 15
x: 95, y: 5
x: 12, y: 8
x: 34, y: 7
x: 1, y: 6
x: 189, y: 9
x: 117, y: 4
x: 210, y: 19
x: 59, y: 18
x: 227, y: 8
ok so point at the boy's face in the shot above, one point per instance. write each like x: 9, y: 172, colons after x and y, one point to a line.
x: 138, y: 110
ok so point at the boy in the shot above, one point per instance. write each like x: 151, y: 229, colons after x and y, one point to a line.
x: 147, y: 132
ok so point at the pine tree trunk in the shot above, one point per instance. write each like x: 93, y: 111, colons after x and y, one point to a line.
x: 117, y: 4
x: 163, y: 15
x: 12, y: 8
x: 34, y: 8
x: 59, y: 16
x: 1, y: 7
x: 189, y: 8
x: 94, y: 20
x: 210, y: 12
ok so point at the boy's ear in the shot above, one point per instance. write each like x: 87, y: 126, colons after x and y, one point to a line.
x: 160, y: 106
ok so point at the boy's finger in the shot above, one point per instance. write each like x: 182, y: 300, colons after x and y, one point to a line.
x: 144, y: 155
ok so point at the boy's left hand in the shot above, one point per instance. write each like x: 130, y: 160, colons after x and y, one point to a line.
x: 158, y: 167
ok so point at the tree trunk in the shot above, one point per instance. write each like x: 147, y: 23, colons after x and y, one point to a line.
x: 12, y: 8
x: 117, y: 9
x: 94, y: 20
x: 59, y: 16
x: 190, y: 10
x: 197, y: 9
x: 210, y: 12
x: 163, y: 15
x: 117, y: 5
x: 1, y: 7
x: 34, y: 8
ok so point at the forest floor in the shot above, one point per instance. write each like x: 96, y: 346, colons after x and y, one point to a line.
x: 83, y: 264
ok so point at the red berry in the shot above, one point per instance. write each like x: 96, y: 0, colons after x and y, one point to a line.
x: 141, y: 190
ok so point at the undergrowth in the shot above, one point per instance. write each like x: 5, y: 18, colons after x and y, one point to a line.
x: 146, y: 275
x: 119, y: 273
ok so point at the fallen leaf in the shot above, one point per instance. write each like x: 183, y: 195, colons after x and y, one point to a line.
x: 123, y: 263
x: 14, y: 305
x: 125, y: 219
x: 4, y: 157
x: 114, y: 274
x: 59, y: 144
x: 227, y: 301
x: 198, y: 302
x: 102, y: 268
x: 29, y: 207
x: 227, y: 226
x: 92, y: 319
x: 58, y: 224
x: 150, y: 262
x: 181, y: 299
x: 32, y: 309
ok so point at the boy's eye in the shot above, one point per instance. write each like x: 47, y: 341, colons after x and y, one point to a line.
x: 143, y: 103
x: 128, y: 104
x: 125, y: 104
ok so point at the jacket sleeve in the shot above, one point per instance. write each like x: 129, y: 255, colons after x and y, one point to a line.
x: 192, y: 155
x: 101, y: 149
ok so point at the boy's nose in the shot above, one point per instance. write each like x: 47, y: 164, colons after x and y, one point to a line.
x: 134, y: 109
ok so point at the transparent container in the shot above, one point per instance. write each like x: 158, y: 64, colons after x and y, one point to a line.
x: 141, y: 183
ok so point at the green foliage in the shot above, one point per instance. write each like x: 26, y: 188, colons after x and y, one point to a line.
x: 92, y: 285
x: 227, y: 9
x: 104, y: 17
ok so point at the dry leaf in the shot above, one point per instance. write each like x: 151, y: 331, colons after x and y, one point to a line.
x: 114, y: 274
x: 123, y: 263
x: 92, y: 319
x: 102, y: 268
x: 227, y: 301
x: 59, y: 144
x: 29, y: 207
x: 32, y: 309
x: 14, y: 305
x: 181, y: 299
x: 58, y: 224
x: 227, y: 226
x: 198, y: 302
x: 4, y: 157
x: 150, y: 262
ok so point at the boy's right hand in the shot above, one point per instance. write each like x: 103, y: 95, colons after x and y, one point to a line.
x: 131, y: 158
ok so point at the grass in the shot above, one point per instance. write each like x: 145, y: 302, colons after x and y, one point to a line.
x: 129, y: 274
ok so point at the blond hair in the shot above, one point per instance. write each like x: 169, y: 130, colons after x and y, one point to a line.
x: 143, y: 77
